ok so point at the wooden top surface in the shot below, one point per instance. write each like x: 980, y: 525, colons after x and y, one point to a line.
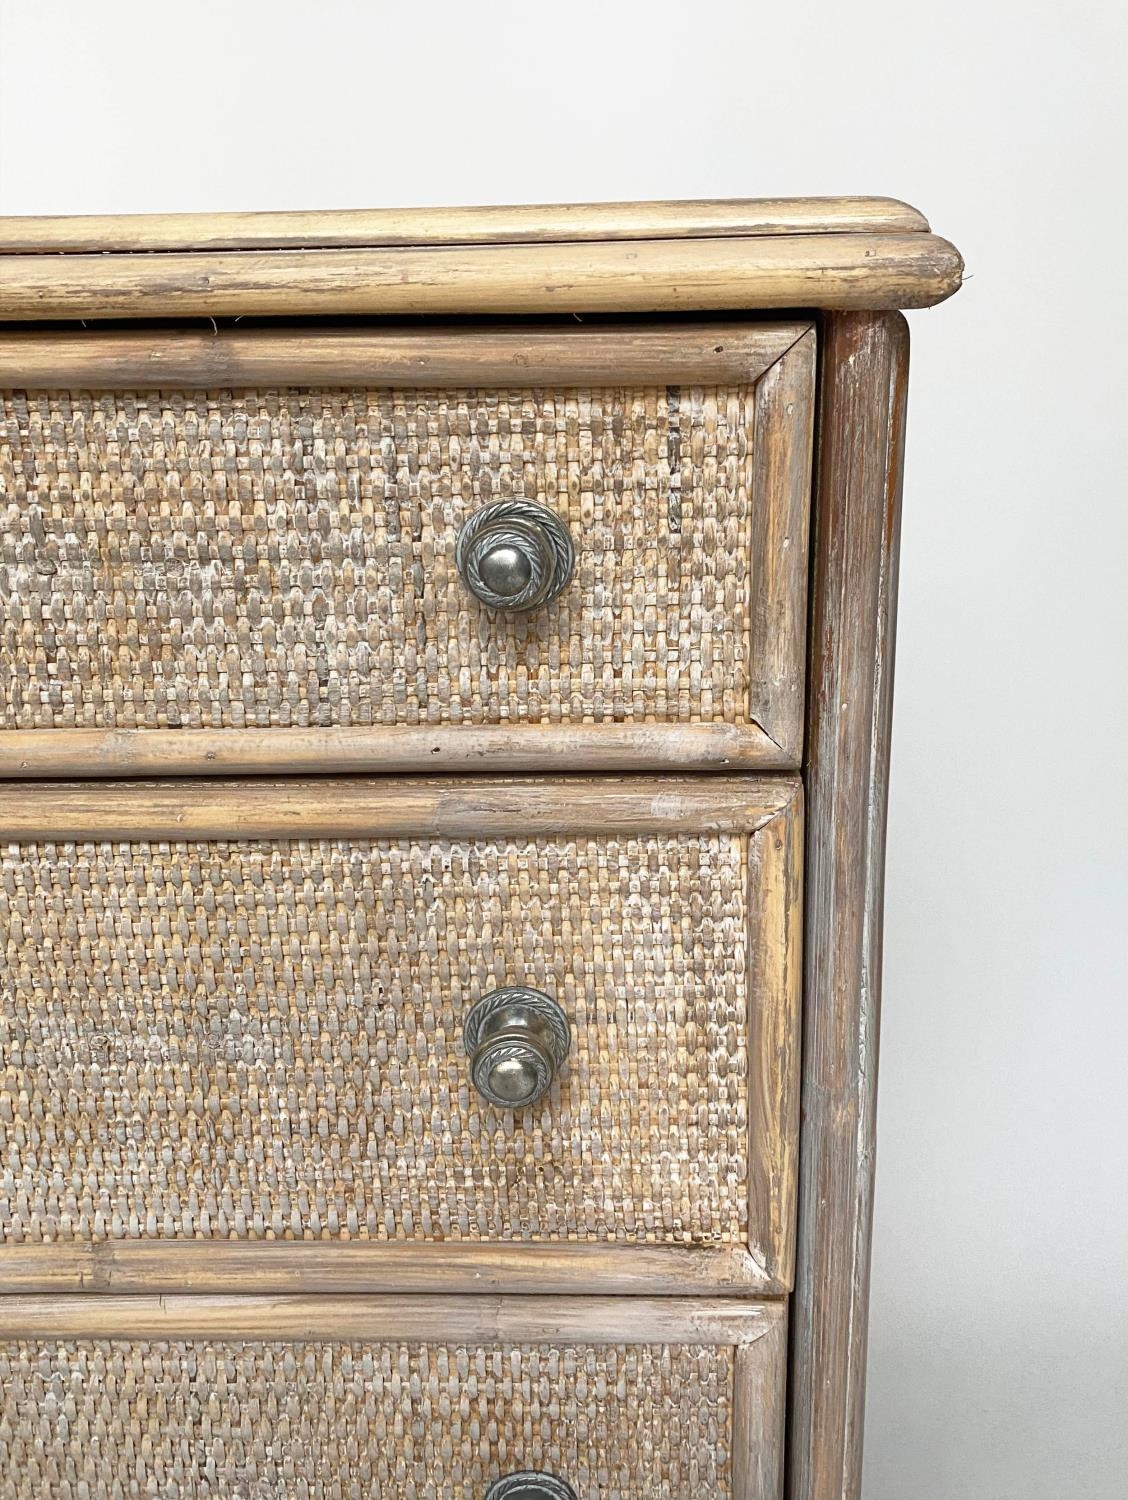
x: 551, y: 223
x: 746, y: 254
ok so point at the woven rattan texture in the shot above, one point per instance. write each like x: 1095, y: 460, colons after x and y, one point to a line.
x: 99, y: 1420
x: 263, y: 1039
x: 287, y: 558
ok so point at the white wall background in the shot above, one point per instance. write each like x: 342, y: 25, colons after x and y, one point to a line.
x: 999, y: 1337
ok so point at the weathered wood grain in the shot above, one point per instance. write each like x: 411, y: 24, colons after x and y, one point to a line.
x: 855, y: 539
x: 405, y: 749
x: 371, y: 807
x: 545, y: 1268
x: 759, y: 1416
x: 503, y: 224
x: 183, y: 359
x: 784, y: 440
x: 477, y: 1319
x: 775, y: 951
x: 834, y: 271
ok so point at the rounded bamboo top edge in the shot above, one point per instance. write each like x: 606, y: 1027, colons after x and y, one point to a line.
x: 833, y: 272
x: 479, y: 224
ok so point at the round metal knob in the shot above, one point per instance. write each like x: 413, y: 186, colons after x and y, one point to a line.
x: 530, y: 1486
x: 516, y: 1038
x: 514, y: 555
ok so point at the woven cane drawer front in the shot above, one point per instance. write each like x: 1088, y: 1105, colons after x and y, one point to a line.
x: 284, y: 560
x: 393, y: 1398
x: 325, y: 1418
x: 261, y: 1038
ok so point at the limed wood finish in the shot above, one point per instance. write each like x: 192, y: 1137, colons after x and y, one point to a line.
x: 856, y: 531
x: 376, y: 807
x: 286, y: 1267
x: 400, y: 748
x: 652, y: 275
x: 703, y: 353
x: 486, y: 1319
x: 508, y: 224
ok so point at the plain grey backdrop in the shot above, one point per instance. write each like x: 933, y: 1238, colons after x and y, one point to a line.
x: 999, y: 1338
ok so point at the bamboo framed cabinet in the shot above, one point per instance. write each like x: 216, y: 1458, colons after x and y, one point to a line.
x: 445, y: 671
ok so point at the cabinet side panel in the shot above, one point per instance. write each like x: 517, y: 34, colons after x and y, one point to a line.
x: 856, y: 525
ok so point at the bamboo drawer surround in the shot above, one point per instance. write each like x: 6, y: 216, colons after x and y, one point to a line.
x: 282, y: 558
x: 445, y: 676
x: 260, y: 1039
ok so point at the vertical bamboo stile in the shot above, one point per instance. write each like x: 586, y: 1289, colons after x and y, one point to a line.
x: 855, y: 538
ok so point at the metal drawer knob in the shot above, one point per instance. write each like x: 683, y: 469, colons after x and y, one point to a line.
x: 516, y: 1039
x: 530, y: 1486
x: 514, y: 555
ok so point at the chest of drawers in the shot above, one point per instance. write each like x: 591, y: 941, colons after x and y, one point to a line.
x: 445, y: 670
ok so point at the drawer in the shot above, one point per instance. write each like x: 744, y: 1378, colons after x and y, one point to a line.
x: 234, y: 1022
x: 242, y: 551
x: 389, y: 1398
